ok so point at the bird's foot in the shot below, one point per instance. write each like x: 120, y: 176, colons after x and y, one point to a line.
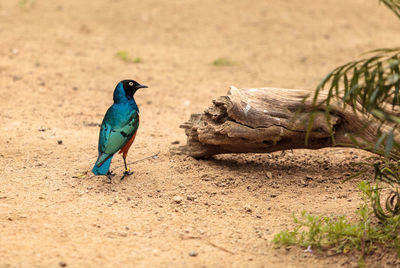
x: 110, y: 175
x: 127, y: 173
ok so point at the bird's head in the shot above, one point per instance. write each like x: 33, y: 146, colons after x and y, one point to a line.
x: 131, y: 86
x: 126, y: 89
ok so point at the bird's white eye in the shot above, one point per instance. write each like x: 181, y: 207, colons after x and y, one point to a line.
x: 131, y: 83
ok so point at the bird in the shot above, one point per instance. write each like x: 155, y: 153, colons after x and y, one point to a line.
x: 119, y: 127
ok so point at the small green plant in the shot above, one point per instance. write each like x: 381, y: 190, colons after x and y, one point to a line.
x: 223, y: 62
x: 25, y: 3
x: 124, y: 56
x: 338, y: 233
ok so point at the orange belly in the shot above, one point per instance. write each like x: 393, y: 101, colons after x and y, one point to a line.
x: 124, y: 150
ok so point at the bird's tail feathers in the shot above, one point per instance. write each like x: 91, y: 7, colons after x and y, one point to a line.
x: 103, y: 158
x: 102, y: 165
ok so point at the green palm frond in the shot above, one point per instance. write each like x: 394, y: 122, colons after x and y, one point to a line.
x: 370, y: 86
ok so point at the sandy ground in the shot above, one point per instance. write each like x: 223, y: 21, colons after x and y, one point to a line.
x: 57, y: 72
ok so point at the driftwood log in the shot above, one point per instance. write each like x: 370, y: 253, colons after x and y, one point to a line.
x: 263, y: 120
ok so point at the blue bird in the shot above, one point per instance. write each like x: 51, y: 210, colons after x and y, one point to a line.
x: 119, y: 126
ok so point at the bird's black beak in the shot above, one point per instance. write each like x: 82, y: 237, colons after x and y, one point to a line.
x: 141, y: 86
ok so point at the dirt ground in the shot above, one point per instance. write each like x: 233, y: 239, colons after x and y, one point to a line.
x: 57, y: 72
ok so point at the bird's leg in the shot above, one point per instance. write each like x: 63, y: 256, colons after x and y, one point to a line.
x: 127, y: 171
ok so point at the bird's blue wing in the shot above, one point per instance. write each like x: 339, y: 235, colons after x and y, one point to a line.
x: 113, y: 139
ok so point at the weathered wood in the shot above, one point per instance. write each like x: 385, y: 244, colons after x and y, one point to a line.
x: 263, y: 120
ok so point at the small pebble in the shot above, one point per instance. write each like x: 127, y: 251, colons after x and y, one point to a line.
x: 62, y: 264
x: 59, y: 142
x: 247, y: 208
x: 205, y: 178
x: 269, y: 175
x: 177, y: 199
x: 193, y: 253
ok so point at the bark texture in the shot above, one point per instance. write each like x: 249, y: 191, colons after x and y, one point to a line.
x: 263, y: 120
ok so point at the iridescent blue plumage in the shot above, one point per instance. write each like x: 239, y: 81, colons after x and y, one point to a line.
x: 119, y: 126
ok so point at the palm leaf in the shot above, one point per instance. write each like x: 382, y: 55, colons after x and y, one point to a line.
x: 369, y: 86
x: 394, y: 5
